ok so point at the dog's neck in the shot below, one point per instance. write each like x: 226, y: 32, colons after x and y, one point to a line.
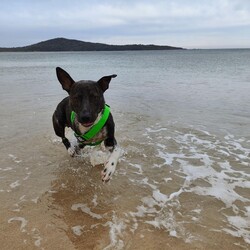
x: 84, y: 129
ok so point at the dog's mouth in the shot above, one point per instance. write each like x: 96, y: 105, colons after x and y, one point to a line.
x: 87, y: 124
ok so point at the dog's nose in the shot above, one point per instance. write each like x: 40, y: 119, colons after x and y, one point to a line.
x: 85, y: 117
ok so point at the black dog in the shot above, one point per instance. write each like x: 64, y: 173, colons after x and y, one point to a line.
x: 86, y: 113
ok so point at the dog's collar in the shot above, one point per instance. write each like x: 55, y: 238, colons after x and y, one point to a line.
x: 95, y: 129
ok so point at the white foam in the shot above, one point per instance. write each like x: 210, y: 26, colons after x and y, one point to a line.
x: 149, y: 201
x: 219, y: 187
x: 201, y: 158
x: 23, y: 221
x: 135, y: 226
x: 35, y: 200
x: 173, y: 233
x: 154, y: 223
x: 142, y: 210
x: 247, y: 210
x: 163, y: 218
x: 167, y: 179
x: 145, y: 182
x: 98, y: 157
x: 6, y: 169
x: 169, y: 157
x: 86, y: 210
x: 38, y: 240
x: 150, y: 130
x: 14, y: 158
x: 162, y: 199
x: 78, y: 230
x: 137, y: 166
x: 197, y: 210
x: 94, y: 201
x: 56, y: 140
x: 22, y: 198
x: 15, y: 184
x: 168, y: 222
x: 196, y: 149
x: 162, y: 146
x: 27, y: 177
x: 241, y: 227
x: 117, y: 226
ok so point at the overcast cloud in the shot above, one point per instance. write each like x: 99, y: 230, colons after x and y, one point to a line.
x: 185, y: 23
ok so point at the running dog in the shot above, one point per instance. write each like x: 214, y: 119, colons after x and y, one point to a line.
x: 86, y: 113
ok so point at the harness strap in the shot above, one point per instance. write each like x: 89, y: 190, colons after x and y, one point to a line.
x: 72, y: 117
x: 95, y: 129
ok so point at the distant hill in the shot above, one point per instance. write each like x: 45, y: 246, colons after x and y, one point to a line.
x: 63, y: 44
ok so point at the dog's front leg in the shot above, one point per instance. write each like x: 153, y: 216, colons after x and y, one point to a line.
x: 110, y: 165
x: 74, y: 148
x: 59, y: 127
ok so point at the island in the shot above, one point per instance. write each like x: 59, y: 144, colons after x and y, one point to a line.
x: 64, y: 44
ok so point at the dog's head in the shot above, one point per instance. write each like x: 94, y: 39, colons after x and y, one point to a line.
x: 85, y: 97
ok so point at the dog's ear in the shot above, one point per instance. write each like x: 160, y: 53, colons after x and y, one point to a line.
x: 65, y: 79
x: 104, y: 82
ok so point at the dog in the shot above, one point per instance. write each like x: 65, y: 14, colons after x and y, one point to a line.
x: 86, y: 113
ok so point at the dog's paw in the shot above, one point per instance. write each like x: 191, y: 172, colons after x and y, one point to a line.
x: 110, y: 166
x: 108, y: 170
x: 72, y: 151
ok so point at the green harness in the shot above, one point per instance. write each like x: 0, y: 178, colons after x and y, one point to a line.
x: 94, y: 130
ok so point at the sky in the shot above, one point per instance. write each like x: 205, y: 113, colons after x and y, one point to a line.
x: 183, y: 23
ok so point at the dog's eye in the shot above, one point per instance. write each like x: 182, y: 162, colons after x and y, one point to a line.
x: 95, y: 97
x: 77, y: 96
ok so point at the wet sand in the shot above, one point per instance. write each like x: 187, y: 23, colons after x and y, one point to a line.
x: 53, y: 201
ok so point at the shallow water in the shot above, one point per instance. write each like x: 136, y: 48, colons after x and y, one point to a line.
x: 183, y: 123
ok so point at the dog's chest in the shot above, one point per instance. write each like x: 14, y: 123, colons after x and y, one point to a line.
x: 100, y: 136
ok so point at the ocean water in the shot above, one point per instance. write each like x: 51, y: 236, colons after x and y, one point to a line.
x: 182, y: 182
